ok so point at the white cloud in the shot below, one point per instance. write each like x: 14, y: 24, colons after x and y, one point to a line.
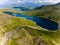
x: 49, y: 0
x: 5, y: 2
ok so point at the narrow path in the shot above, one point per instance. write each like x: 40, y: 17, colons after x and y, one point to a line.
x: 6, y: 38
x: 52, y: 40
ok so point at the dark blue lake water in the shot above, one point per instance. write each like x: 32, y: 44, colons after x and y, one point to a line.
x: 43, y: 22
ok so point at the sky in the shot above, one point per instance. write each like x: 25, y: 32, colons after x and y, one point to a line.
x: 7, y: 2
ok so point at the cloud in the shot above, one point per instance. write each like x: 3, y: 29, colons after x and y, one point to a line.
x: 39, y: 1
x: 49, y: 1
x: 5, y: 2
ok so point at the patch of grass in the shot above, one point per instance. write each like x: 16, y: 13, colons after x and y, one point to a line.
x: 12, y: 42
x: 16, y: 22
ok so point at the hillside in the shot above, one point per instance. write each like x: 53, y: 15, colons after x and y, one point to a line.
x: 21, y: 31
x: 49, y: 11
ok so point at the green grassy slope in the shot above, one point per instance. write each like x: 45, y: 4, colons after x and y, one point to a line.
x: 9, y: 25
x: 50, y: 12
x: 20, y: 31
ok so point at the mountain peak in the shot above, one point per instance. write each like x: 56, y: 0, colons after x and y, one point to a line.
x: 59, y: 3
